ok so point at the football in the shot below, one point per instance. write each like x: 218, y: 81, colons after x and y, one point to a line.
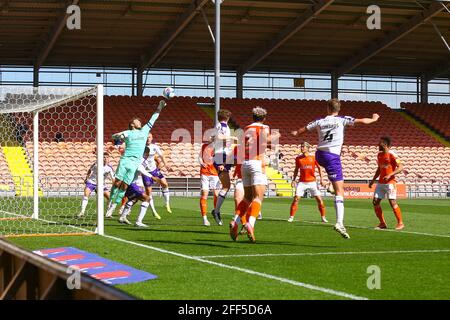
x: 168, y: 93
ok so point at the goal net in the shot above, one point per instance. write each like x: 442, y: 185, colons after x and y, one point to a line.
x: 49, y: 138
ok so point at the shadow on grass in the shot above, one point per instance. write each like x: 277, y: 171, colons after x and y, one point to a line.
x: 212, y: 243
x: 150, y: 229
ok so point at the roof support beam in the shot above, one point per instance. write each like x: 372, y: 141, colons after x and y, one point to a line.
x: 35, y: 77
x: 334, y: 86
x: 60, y: 24
x: 299, y: 23
x: 423, y: 90
x: 439, y: 70
x: 166, y: 40
x: 390, y: 38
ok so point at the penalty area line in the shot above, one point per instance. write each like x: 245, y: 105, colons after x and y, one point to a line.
x: 252, y: 272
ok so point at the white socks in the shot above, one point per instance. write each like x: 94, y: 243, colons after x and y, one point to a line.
x: 127, y: 209
x: 339, y: 206
x: 166, y: 195
x: 84, y: 204
x: 111, y: 209
x: 144, y: 207
x: 220, y: 200
x: 152, y: 205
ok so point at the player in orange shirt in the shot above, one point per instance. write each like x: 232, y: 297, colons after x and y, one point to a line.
x: 306, y: 163
x: 257, y: 137
x: 239, y: 217
x: 209, y: 179
x: 388, y: 166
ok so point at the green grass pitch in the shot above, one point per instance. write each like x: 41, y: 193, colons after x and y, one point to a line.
x: 300, y: 260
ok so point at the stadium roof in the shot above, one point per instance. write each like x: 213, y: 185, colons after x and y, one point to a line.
x: 305, y: 36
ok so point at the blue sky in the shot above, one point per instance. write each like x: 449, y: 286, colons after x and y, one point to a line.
x: 256, y: 85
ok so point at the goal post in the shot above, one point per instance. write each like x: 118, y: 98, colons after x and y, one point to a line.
x: 49, y: 138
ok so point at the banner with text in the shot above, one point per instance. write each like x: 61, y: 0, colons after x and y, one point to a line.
x: 362, y: 190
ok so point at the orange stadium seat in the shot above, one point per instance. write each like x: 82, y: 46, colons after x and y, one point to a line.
x: 434, y: 115
x: 69, y: 161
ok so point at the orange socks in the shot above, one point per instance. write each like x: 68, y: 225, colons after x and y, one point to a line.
x: 254, y: 209
x: 203, y: 206
x: 294, y: 207
x: 321, y: 210
x: 241, y: 210
x: 379, y: 213
x: 398, y: 214
x: 253, y: 212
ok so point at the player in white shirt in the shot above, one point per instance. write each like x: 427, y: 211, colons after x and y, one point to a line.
x: 154, y: 168
x: 223, y: 158
x: 331, y: 137
x: 146, y: 182
x: 135, y: 192
x: 91, y: 182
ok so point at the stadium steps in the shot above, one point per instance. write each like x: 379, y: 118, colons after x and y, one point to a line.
x: 424, y: 128
x: 20, y: 170
x: 280, y: 182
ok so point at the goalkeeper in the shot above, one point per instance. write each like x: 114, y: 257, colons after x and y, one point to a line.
x: 135, y: 140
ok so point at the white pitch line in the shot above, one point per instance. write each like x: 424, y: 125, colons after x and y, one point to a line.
x: 386, y: 230
x: 260, y: 274
x: 318, y: 253
x: 357, y: 227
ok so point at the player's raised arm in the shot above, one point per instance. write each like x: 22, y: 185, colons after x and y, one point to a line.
x: 374, y: 118
x: 298, y: 132
x: 148, y: 127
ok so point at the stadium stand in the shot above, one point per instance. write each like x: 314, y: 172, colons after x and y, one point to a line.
x: 434, y: 115
x: 427, y: 164
x: 425, y: 159
x: 287, y: 115
x: 182, y: 113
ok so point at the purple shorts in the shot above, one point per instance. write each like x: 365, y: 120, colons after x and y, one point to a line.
x: 134, y: 192
x: 93, y: 187
x: 332, y: 164
x: 227, y: 167
x: 157, y: 173
x: 148, y: 182
x: 223, y: 159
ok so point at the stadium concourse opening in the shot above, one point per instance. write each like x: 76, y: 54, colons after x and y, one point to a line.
x: 388, y: 58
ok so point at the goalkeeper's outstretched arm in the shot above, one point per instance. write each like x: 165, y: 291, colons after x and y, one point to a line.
x: 155, y: 116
